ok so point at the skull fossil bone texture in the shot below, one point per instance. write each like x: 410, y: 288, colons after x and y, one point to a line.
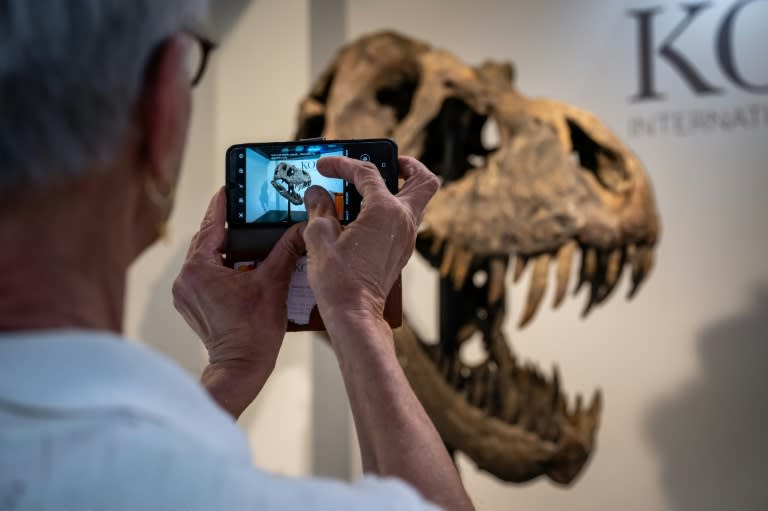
x: 288, y: 180
x: 555, y: 185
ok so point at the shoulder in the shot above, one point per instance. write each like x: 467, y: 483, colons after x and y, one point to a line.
x: 89, y: 423
x: 163, y: 469
x: 102, y: 376
x: 370, y: 493
x: 115, y: 460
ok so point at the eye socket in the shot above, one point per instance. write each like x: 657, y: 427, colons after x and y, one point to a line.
x: 458, y: 139
x: 322, y: 88
x: 398, y: 93
x: 313, y: 126
x: 607, y: 167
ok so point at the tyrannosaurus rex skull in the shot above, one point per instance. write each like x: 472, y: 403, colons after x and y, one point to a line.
x: 288, y: 180
x: 555, y: 183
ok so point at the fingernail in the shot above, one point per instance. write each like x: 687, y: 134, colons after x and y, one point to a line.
x: 310, y: 198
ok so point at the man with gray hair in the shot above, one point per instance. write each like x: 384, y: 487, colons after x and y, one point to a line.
x: 95, y: 100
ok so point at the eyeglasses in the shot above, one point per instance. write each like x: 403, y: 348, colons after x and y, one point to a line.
x: 197, y: 56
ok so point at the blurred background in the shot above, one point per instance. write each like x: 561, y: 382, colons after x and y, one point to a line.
x: 683, y: 367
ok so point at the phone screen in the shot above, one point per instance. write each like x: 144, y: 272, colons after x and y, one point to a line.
x: 266, y: 182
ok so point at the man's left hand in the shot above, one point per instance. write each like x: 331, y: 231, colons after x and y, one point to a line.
x: 240, y: 316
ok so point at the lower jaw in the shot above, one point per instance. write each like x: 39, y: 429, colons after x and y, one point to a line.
x: 510, y: 421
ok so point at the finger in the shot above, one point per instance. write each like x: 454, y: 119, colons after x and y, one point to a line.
x: 282, y: 258
x: 420, y: 185
x: 364, y: 175
x: 210, y: 240
x: 319, y: 202
x: 323, y: 226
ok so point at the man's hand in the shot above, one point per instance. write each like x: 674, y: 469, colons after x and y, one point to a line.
x: 240, y: 316
x: 353, y: 270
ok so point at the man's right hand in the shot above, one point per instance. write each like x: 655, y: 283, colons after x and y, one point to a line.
x: 353, y: 270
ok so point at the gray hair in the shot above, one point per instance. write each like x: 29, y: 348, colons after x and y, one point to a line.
x: 70, y: 75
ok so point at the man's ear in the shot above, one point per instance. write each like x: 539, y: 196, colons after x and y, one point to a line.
x: 163, y: 115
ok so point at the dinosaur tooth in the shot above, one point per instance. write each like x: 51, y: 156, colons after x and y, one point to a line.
x: 562, y: 406
x: 538, y: 287
x: 605, y: 277
x: 631, y: 251
x: 588, y: 267
x: 596, y: 283
x: 555, y: 387
x: 520, y: 264
x: 586, y: 421
x: 641, y: 267
x: 564, y: 262
x: 576, y: 415
x: 498, y: 271
x: 462, y: 261
x: 596, y: 406
x: 592, y: 300
x: 612, y: 273
x: 650, y: 259
x: 448, y: 254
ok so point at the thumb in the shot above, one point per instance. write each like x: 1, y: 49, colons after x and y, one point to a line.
x: 323, y: 227
x: 282, y: 258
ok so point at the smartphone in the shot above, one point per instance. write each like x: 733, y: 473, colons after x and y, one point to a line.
x: 265, y: 184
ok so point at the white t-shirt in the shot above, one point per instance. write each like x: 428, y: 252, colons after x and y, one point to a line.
x: 89, y: 421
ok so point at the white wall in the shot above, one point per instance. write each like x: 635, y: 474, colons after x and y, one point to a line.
x: 682, y: 367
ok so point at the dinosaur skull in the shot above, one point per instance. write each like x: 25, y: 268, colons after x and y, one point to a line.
x: 554, y: 184
x: 289, y: 180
